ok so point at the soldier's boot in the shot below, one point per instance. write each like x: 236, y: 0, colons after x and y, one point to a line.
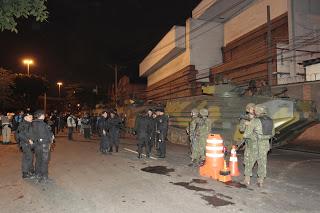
x: 202, y: 162
x: 139, y: 155
x: 117, y: 148
x: 111, y: 149
x: 246, y: 180
x: 260, y: 182
x: 26, y: 175
x: 148, y: 155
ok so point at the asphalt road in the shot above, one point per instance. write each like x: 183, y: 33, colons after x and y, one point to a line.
x: 86, y: 181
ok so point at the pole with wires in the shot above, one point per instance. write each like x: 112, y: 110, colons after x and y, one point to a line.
x: 269, y: 42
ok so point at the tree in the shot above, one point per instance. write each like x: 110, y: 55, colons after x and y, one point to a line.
x: 10, y: 10
x: 6, y: 84
x: 27, y: 89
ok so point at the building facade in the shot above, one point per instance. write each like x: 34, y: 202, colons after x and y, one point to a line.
x: 228, y: 40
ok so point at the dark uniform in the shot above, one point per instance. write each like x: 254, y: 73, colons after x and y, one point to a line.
x: 162, y: 129
x: 153, y: 133
x: 23, y: 135
x: 86, y: 126
x: 143, y: 129
x: 114, y: 126
x: 42, y: 137
x: 102, y: 127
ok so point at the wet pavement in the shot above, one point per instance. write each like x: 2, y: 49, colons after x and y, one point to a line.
x: 83, y: 180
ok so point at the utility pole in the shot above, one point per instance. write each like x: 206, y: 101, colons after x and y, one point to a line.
x: 116, y: 83
x: 269, y: 43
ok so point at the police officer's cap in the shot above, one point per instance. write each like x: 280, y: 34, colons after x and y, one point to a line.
x: 159, y: 109
x: 250, y: 106
x: 38, y: 113
x: 204, y: 112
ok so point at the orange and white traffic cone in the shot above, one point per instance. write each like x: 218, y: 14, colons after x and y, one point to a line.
x: 224, y: 175
x: 233, y: 163
x: 214, y: 157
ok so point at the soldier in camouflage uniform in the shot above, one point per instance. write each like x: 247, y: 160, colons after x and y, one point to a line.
x: 191, y: 130
x: 202, y: 130
x: 246, y: 117
x: 258, y: 132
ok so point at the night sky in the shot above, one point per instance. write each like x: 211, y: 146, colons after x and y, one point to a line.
x: 81, y: 37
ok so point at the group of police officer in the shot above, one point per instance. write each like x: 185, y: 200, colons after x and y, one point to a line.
x: 109, y: 126
x: 151, y: 127
x: 35, y: 138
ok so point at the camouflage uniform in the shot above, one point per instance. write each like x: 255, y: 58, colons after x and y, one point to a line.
x: 191, y: 130
x: 257, y: 148
x: 202, y: 129
x: 246, y: 117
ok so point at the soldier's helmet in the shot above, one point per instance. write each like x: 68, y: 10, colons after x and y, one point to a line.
x: 250, y: 106
x: 195, y: 111
x: 204, y: 112
x: 260, y: 110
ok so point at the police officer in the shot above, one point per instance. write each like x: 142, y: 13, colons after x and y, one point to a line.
x: 202, y: 130
x: 102, y: 126
x: 152, y: 125
x: 71, y: 124
x: 191, y: 130
x: 162, y: 130
x: 143, y: 129
x: 258, y: 132
x: 23, y: 137
x: 42, y: 137
x: 86, y: 125
x: 114, y: 126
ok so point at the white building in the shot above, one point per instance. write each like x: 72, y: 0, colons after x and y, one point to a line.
x: 228, y: 37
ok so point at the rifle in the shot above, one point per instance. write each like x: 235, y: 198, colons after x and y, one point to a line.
x: 241, y: 144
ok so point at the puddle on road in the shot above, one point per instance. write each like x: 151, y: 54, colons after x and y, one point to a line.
x: 200, y: 181
x: 215, y: 201
x: 237, y: 185
x: 161, y: 170
x: 191, y: 187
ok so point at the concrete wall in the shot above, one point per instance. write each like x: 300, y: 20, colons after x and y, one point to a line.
x: 170, y: 68
x: 202, y: 7
x: 203, y: 49
x: 172, y: 44
x: 204, y: 41
x: 252, y: 18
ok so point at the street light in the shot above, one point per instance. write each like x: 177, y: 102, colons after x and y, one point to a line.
x: 28, y: 62
x: 59, y: 85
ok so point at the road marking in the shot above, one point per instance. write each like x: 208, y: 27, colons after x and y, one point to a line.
x: 130, y: 150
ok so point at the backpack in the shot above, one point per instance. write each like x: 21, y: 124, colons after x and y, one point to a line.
x: 267, y: 125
